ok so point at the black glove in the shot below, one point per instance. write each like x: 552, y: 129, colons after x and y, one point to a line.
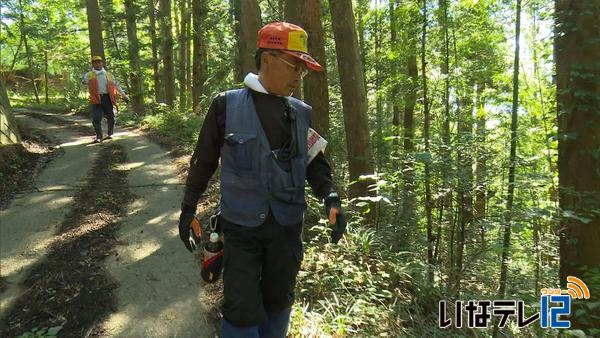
x: 185, y: 219
x: 339, y: 227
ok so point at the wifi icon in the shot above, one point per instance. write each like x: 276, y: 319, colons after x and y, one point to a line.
x: 577, y: 288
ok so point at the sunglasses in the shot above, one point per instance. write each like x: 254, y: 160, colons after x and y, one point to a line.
x: 299, y: 69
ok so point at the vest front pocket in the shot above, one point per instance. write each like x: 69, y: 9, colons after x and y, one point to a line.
x: 243, y: 148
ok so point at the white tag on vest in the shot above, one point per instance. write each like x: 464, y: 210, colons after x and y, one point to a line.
x: 316, y: 143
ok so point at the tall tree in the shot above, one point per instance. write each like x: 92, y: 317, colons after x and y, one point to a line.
x: 481, y: 164
x: 199, y: 9
x: 354, y: 100
x: 94, y: 28
x: 167, y: 51
x: 578, y: 96
x: 9, y: 130
x: 247, y: 14
x: 379, y: 119
x: 316, y: 92
x: 293, y: 14
x: 464, y: 175
x: 135, y: 73
x: 426, y: 129
x: 446, y: 196
x: 407, y: 215
x: 394, y: 68
x: 183, y: 41
x: 28, y: 53
x: 512, y: 160
x: 154, y: 41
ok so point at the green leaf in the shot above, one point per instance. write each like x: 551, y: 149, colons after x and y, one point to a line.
x: 53, y: 331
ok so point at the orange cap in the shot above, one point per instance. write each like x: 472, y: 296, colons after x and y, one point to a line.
x: 288, y: 38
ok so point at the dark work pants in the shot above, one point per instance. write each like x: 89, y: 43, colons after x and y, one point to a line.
x: 260, y: 269
x: 105, y: 108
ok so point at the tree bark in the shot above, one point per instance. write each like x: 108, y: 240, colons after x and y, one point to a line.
x: 247, y: 13
x: 199, y: 67
x: 135, y: 79
x: 408, y: 218
x: 188, y: 55
x: 94, y: 28
x: 316, y: 91
x: 354, y: 99
x: 28, y: 51
x: 293, y: 14
x: 183, y: 56
x: 512, y: 161
x: 426, y: 125
x: 578, y: 97
x: 158, y: 89
x: 167, y: 51
x: 46, y: 76
x: 465, y: 177
x: 481, y: 166
x: 394, y: 67
x: 446, y: 198
x: 379, y: 119
x: 14, y: 61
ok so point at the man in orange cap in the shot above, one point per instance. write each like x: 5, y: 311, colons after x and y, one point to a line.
x: 103, y: 89
x: 260, y: 135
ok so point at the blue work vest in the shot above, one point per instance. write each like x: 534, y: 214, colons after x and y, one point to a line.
x: 253, y: 183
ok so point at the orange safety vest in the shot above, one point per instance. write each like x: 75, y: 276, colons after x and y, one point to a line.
x: 95, y: 93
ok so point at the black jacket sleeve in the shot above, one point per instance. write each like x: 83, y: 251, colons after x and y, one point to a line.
x: 318, y: 175
x: 205, y: 159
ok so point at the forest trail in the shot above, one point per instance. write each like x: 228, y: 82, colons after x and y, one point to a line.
x: 159, y: 290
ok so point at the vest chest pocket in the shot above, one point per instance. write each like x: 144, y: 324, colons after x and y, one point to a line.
x: 243, y: 148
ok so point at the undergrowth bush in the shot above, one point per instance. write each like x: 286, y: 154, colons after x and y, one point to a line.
x: 181, y: 127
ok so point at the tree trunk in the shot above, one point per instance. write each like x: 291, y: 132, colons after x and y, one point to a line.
x: 31, y: 70
x: 188, y: 55
x: 14, y: 61
x: 293, y: 14
x: 578, y: 96
x: 135, y: 75
x: 426, y: 124
x: 361, y: 11
x: 465, y: 178
x: 481, y: 166
x: 9, y: 129
x: 249, y: 22
x: 512, y: 161
x: 176, y: 45
x: 445, y: 199
x: 394, y: 66
x: 167, y: 51
x: 183, y: 56
x: 158, y: 89
x: 28, y: 52
x: 199, y: 67
x: 379, y: 142
x: 354, y: 100
x: 395, y: 94
x: 94, y: 28
x: 408, y: 218
x: 316, y: 92
x: 46, y: 75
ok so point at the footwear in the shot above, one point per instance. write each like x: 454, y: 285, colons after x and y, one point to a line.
x: 97, y: 140
x: 109, y: 137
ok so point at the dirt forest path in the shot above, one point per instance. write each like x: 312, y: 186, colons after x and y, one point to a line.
x: 158, y: 290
